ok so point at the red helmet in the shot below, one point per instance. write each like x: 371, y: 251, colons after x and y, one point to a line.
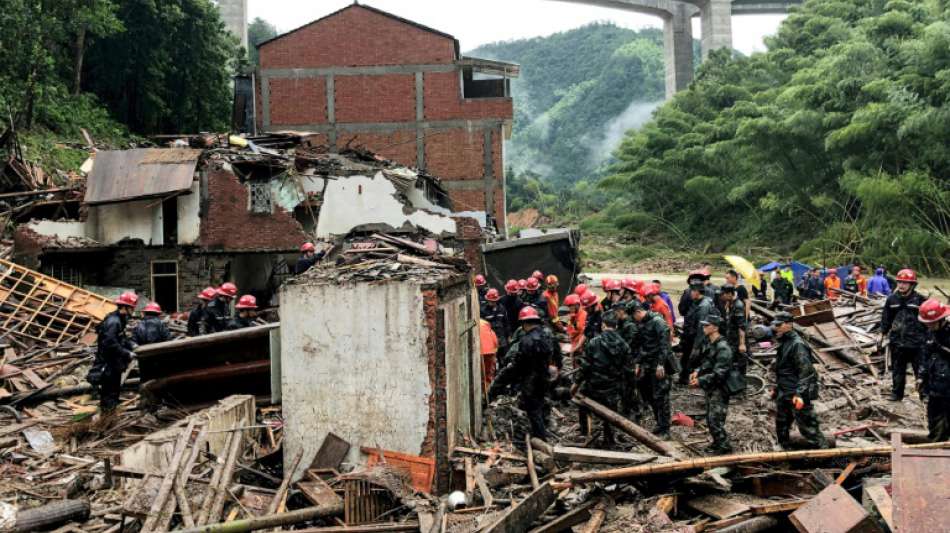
x: 511, y: 287
x: 604, y: 282
x: 580, y: 289
x: 492, y: 295
x: 651, y: 289
x: 907, y: 275
x: 247, y: 302
x: 572, y: 299
x: 612, y: 285
x: 207, y: 294
x: 588, y: 299
x: 629, y: 284
x: 127, y: 298
x: 551, y: 279
x: 532, y: 284
x: 522, y: 284
x: 528, y: 312
x: 152, y: 307
x: 537, y: 275
x: 227, y: 289
x: 307, y: 247
x: 480, y: 280
x: 932, y: 310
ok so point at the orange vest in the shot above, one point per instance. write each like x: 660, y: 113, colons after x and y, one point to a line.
x: 830, y: 284
x: 575, y: 327
x: 489, y: 340
x: 553, y: 304
x: 659, y: 306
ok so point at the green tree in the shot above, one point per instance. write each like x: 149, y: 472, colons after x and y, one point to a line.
x: 258, y: 31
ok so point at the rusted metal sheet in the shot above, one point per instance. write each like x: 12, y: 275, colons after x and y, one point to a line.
x: 834, y: 511
x: 920, y: 491
x: 121, y: 175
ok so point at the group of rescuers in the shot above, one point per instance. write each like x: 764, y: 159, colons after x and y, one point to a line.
x: 623, y: 355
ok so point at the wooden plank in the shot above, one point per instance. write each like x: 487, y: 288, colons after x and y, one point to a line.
x: 319, y: 493
x: 882, y: 503
x: 532, y: 474
x: 846, y: 472
x: 566, y: 521
x: 487, y: 498
x: 597, y: 516
x: 717, y: 506
x: 833, y: 510
x: 777, y: 507
x: 470, y: 478
x: 517, y: 519
x: 628, y: 427
x: 595, y: 456
x: 332, y: 452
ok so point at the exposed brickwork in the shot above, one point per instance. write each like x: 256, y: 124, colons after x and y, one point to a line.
x: 298, y: 101
x: 27, y: 246
x: 456, y: 154
x: 399, y: 145
x: 229, y: 225
x: 443, y: 100
x: 357, y: 36
x: 430, y: 311
x: 384, y: 98
x: 470, y: 234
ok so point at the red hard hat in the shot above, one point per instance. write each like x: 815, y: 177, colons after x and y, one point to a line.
x: 932, y: 310
x: 128, y: 299
x: 152, y: 307
x: 532, y: 284
x: 492, y: 295
x: 207, y: 294
x: 480, y: 280
x: 604, y: 282
x: 227, y: 289
x: 907, y: 275
x: 629, y: 284
x: 528, y: 313
x: 650, y: 289
x: 588, y: 299
x: 612, y: 285
x: 511, y: 287
x: 537, y: 274
x: 580, y: 289
x: 247, y: 302
x: 307, y: 247
x: 551, y: 279
x: 522, y: 284
x: 572, y: 299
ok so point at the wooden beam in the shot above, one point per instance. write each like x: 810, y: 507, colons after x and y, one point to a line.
x: 566, y: 521
x: 532, y: 474
x: 517, y: 519
x: 882, y: 502
x: 595, y: 456
x: 647, y: 438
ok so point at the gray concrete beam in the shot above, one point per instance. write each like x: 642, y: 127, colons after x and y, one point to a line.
x: 716, y: 21
x: 678, y: 49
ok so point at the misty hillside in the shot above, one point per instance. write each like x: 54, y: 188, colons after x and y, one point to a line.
x: 579, y: 91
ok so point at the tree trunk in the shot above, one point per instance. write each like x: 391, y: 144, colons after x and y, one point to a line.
x: 77, y: 63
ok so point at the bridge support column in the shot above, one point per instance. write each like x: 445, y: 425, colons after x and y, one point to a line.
x: 716, y: 19
x: 678, y: 47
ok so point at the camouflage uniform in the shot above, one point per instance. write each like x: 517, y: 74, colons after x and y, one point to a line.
x: 654, y: 336
x: 693, y: 337
x: 935, y: 376
x: 600, y: 369
x: 795, y: 376
x: 527, y: 370
x: 629, y: 402
x: 715, y: 362
x: 733, y: 321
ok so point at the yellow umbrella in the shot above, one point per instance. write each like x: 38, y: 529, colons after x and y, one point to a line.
x: 744, y: 267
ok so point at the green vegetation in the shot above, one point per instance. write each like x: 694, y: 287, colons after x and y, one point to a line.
x: 258, y: 31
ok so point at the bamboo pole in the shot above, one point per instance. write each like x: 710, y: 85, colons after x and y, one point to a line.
x: 628, y: 427
x: 269, y: 521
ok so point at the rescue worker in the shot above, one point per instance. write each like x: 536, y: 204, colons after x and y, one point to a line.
x: 308, y: 257
x: 494, y: 313
x: 814, y: 289
x: 576, y: 323
x: 654, y: 365
x: 151, y: 328
x: 796, y: 386
x: 538, y: 275
x: 732, y: 314
x: 528, y: 370
x: 630, y: 293
x: 935, y: 369
x: 711, y: 289
x: 878, y: 284
x: 605, y: 358
x: 651, y: 293
x: 686, y: 299
x: 666, y: 299
x: 196, y: 318
x: 489, y: 347
x: 856, y: 282
x: 551, y: 295
x: 481, y: 285
x: 781, y: 291
x: 113, y: 352
x: 580, y: 289
x: 787, y: 273
x: 614, y: 289
x: 595, y: 314
x: 218, y: 311
x: 522, y: 288
x: 832, y: 285
x: 605, y: 302
x: 742, y: 293
x: 907, y: 335
x: 534, y: 296
x: 627, y: 328
x: 700, y: 308
x: 512, y: 304
x: 245, y: 313
x: 712, y: 372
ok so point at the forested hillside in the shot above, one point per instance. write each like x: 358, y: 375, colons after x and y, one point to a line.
x: 832, y: 146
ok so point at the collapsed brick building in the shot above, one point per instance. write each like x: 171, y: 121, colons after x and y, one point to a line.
x: 361, y: 76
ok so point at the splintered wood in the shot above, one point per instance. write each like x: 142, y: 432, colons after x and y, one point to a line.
x: 35, y: 308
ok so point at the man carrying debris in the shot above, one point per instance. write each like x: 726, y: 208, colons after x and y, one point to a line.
x: 796, y: 386
x: 935, y: 368
x: 493, y: 313
x: 246, y: 312
x: 732, y: 326
x: 308, y: 258
x: 654, y: 365
x: 700, y: 308
x: 151, y: 328
x: 196, y: 318
x: 712, y: 373
x: 219, y: 310
x: 512, y: 304
x: 906, y: 335
x: 605, y: 358
x: 528, y: 370
x: 113, y: 352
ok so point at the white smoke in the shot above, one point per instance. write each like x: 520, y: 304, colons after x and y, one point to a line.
x: 636, y: 115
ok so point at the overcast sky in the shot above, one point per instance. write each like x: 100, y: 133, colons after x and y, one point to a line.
x: 475, y: 23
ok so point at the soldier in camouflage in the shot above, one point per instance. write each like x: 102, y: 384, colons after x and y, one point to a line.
x: 654, y: 365
x: 692, y: 338
x: 714, y: 364
x: 796, y: 386
x: 627, y: 327
x: 733, y: 324
x: 600, y: 369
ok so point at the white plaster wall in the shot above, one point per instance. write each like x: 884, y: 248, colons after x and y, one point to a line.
x: 189, y: 224
x: 132, y: 220
x: 360, y: 200
x: 354, y: 362
x: 59, y: 229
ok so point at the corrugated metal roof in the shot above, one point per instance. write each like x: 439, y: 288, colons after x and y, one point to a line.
x: 122, y: 175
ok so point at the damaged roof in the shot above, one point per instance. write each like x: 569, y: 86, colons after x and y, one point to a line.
x: 120, y: 175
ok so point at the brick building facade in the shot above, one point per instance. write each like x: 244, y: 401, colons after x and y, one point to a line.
x: 361, y: 76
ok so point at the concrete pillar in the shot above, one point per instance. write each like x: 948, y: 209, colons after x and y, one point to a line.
x: 716, y: 19
x: 678, y: 48
x: 234, y: 15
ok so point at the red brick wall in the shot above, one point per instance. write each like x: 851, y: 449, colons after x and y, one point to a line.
x: 383, y: 98
x: 227, y: 223
x: 357, y: 37
x: 298, y: 101
x: 443, y: 100
x: 456, y: 154
x: 399, y: 145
